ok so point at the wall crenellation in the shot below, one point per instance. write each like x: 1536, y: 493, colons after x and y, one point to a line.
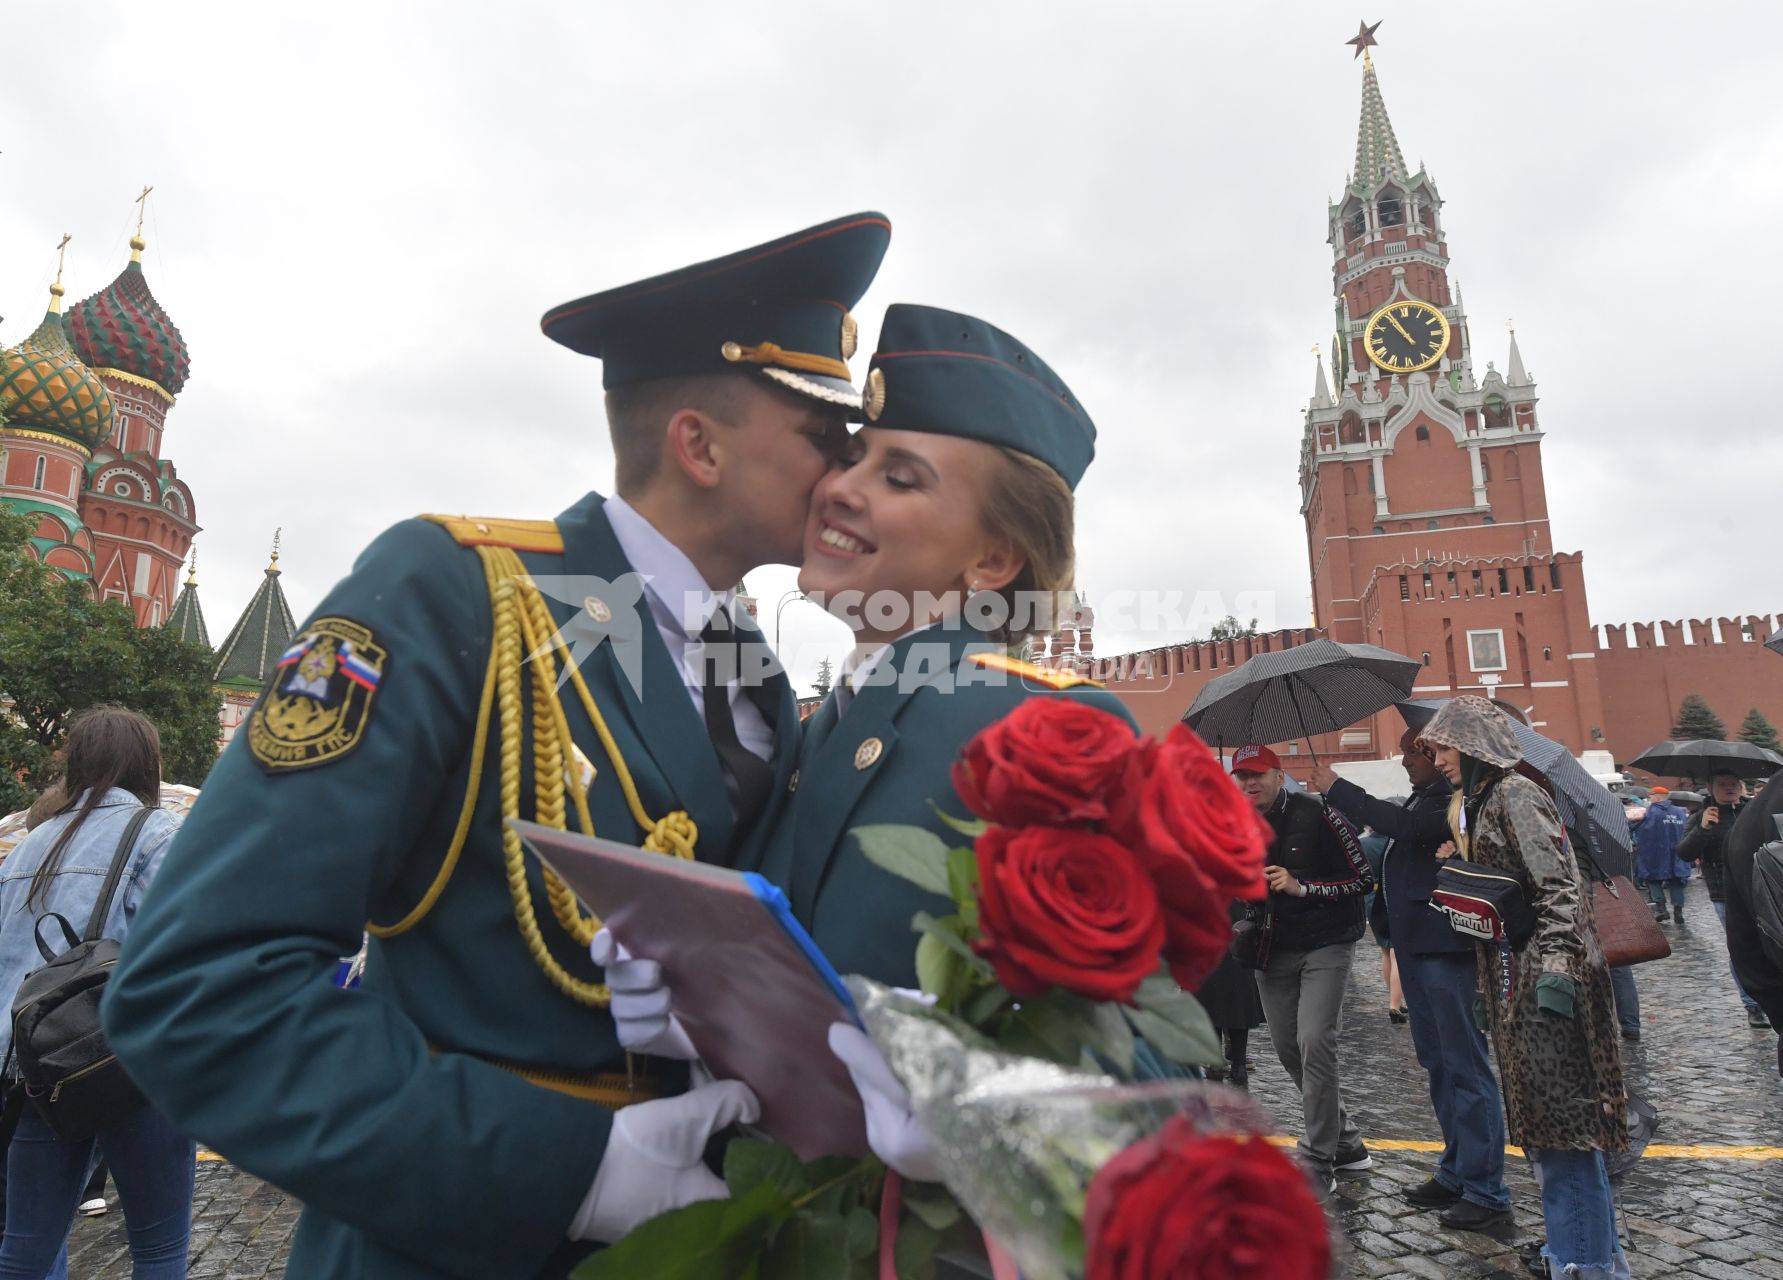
x: 1663, y: 633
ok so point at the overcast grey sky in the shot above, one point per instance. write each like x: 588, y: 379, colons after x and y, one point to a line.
x: 360, y: 213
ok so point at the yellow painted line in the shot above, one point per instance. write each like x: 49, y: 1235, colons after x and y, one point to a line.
x: 1657, y: 1151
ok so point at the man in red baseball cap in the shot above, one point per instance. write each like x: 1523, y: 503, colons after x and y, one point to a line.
x: 1317, y: 876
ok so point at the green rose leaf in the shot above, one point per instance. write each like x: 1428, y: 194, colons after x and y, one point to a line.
x: 971, y: 828
x: 909, y: 853
x: 1111, y: 1037
x: 809, y: 1246
x: 962, y: 883
x: 913, y: 1255
x: 710, y: 1240
x: 751, y: 1162
x: 938, y: 968
x: 950, y: 933
x: 1175, y: 1024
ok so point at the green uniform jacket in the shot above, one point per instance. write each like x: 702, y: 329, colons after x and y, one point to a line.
x: 934, y: 702
x: 411, y: 1163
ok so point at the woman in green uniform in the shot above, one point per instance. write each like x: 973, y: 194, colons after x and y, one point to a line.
x: 942, y: 536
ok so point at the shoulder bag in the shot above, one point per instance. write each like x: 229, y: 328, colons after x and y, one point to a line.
x: 1626, y: 929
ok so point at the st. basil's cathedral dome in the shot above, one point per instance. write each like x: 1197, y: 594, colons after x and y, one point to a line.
x: 44, y: 386
x: 122, y: 329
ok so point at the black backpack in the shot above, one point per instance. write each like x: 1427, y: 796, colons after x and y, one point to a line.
x: 63, y: 1060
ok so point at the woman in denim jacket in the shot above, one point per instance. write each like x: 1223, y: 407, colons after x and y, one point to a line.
x: 113, y: 768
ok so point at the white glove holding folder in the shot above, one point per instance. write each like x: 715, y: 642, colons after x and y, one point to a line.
x: 640, y: 1005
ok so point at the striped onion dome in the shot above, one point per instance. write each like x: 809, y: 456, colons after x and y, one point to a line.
x: 122, y: 327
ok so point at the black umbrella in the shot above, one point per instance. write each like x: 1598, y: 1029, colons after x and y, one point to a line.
x: 1311, y: 688
x: 1775, y: 642
x: 1705, y: 757
x: 1586, y: 805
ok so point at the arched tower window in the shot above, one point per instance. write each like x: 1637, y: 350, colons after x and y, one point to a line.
x: 1356, y: 225
x: 37, y: 476
x: 1392, y: 211
x: 1485, y: 467
x: 1513, y: 470
x: 1431, y: 524
x: 1498, y: 414
x: 1423, y: 435
x: 1349, y: 480
x: 1349, y: 431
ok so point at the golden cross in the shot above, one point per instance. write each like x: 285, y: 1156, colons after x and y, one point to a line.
x: 1512, y: 326
x: 142, y: 202
x: 61, y: 256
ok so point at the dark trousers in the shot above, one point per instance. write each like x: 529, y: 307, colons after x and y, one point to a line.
x: 1440, y: 991
x: 1628, y: 1000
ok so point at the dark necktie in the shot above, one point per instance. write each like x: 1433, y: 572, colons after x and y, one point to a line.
x: 747, y: 777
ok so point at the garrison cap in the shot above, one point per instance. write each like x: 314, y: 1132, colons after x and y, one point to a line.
x: 955, y: 375
x: 781, y: 308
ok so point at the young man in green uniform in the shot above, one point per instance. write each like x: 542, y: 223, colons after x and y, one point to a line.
x: 460, y: 1114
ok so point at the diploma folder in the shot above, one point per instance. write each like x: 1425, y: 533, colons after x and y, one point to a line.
x: 755, y: 995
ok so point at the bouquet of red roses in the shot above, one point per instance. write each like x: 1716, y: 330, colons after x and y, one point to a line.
x: 1094, y: 891
x: 1090, y: 893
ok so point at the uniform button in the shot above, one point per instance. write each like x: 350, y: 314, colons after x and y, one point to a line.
x: 597, y: 609
x: 868, y: 752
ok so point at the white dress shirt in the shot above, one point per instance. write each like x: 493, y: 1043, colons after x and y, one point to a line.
x: 682, y: 603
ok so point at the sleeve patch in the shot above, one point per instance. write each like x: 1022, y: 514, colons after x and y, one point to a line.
x: 315, y: 709
x: 1028, y: 671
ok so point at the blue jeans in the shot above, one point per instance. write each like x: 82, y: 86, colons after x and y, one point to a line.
x: 1578, y: 1213
x: 1721, y: 915
x: 152, y: 1167
x: 1657, y: 889
x: 1628, y: 1000
x: 1440, y: 992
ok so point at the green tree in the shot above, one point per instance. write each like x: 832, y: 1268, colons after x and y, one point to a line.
x: 1230, y: 628
x: 825, y: 677
x: 62, y: 651
x: 1697, y: 720
x: 1759, y: 731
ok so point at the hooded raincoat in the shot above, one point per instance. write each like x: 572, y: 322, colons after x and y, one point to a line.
x: 1562, y: 1077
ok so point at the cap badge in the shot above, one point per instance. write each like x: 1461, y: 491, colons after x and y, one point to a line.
x: 731, y: 351
x: 874, y: 401
x: 867, y: 753
x: 851, y: 335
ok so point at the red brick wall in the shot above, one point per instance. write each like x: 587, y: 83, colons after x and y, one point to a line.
x: 1644, y: 682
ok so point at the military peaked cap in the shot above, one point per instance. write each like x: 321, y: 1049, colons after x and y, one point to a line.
x: 955, y: 375
x: 781, y: 308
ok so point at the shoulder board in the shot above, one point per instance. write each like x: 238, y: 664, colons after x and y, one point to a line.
x: 1028, y: 671
x: 481, y: 531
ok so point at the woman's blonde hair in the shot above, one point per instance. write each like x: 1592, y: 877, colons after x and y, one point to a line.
x: 1029, y: 503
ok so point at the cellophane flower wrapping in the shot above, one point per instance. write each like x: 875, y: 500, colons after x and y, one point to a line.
x: 1018, y: 1139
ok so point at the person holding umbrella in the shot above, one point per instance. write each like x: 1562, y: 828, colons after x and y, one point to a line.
x: 1546, y: 1006
x: 1703, y: 844
x: 1656, y: 854
x: 1317, y: 877
x: 1436, y: 965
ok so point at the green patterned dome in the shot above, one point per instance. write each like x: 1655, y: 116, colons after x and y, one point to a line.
x: 45, y: 387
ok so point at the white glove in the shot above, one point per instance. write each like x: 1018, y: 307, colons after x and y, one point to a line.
x: 640, y: 1006
x: 653, y: 1154
x: 892, y: 1131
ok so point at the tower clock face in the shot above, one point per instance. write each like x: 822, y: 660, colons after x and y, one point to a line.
x: 1404, y: 337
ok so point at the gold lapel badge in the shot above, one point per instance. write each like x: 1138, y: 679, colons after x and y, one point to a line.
x: 867, y: 753
x: 597, y: 609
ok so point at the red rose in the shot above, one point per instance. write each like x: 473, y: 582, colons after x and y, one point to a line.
x: 1197, y: 925
x: 1066, y: 907
x: 1176, y: 801
x: 1177, y: 1206
x: 1050, y: 761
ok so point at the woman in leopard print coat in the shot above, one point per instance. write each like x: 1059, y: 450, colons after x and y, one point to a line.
x: 1554, y: 1031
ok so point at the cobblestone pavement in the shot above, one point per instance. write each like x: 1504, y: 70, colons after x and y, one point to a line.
x: 1713, y: 1080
